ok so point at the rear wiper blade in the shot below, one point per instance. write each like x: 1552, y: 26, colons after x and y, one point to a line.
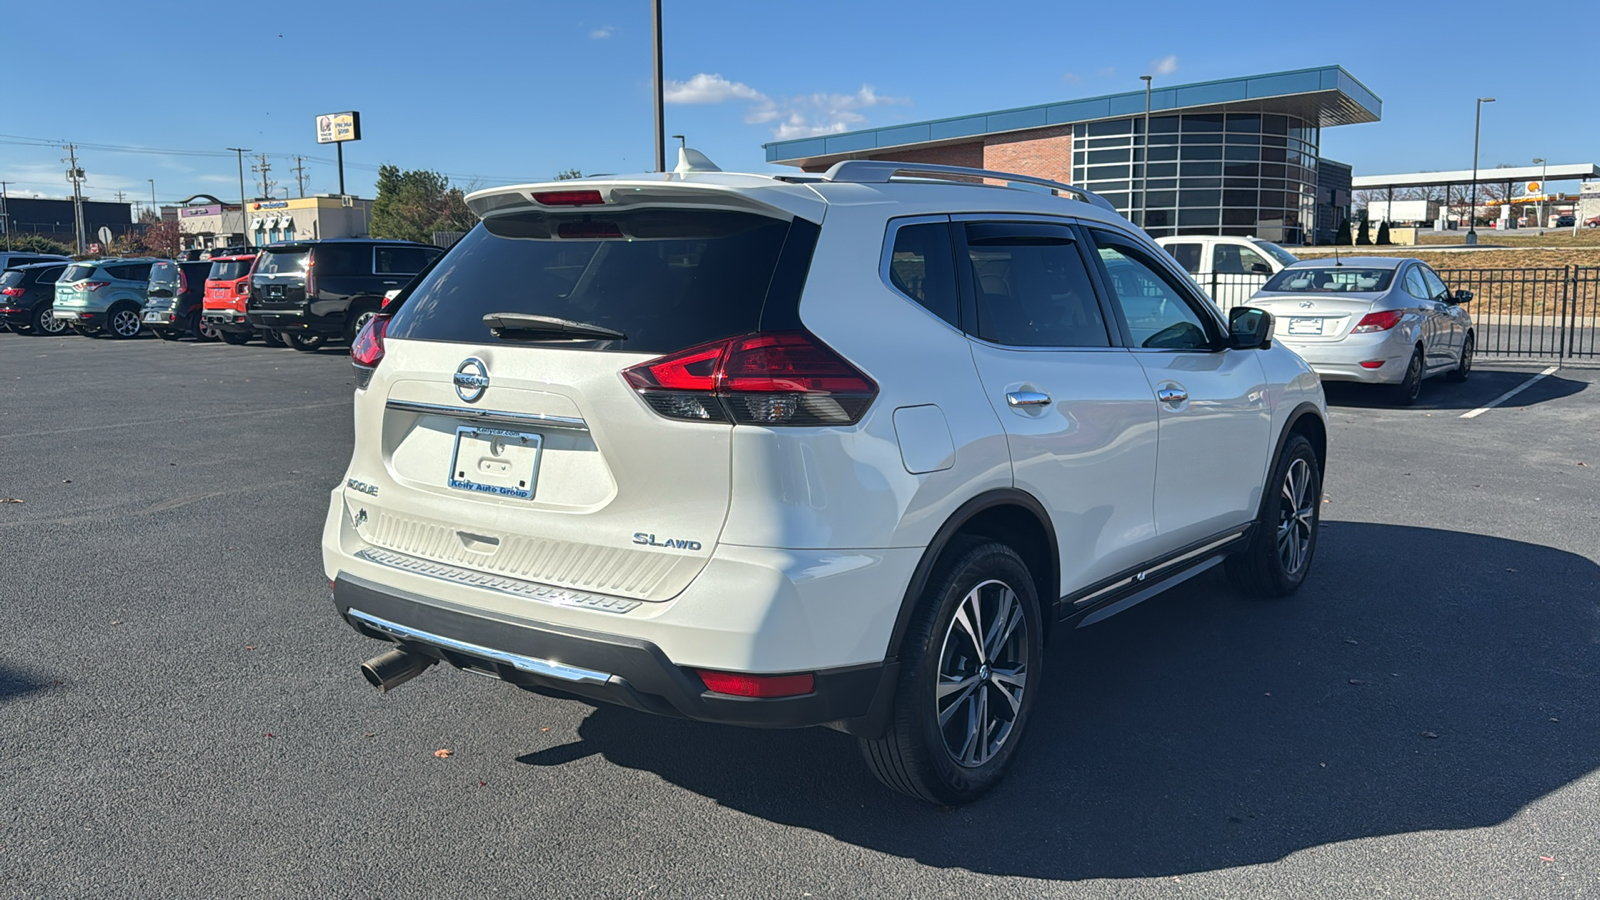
x: 531, y: 327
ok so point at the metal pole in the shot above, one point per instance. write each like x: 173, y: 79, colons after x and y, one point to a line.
x: 153, y: 207
x: 661, y: 112
x: 243, y: 228
x: 1144, y: 170
x: 1544, y: 191
x: 1472, y: 210
x: 5, y: 213
x: 340, y: 147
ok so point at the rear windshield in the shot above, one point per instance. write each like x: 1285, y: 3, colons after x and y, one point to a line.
x: 78, y: 272
x: 11, y: 277
x: 284, y: 262
x: 229, y: 270
x: 164, y: 272
x: 667, y: 278
x: 1330, y: 280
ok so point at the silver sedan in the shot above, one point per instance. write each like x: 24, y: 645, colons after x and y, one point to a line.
x: 1375, y: 320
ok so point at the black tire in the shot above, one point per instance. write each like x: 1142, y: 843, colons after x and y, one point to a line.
x: 272, y: 338
x: 235, y: 337
x: 122, y: 322
x: 306, y: 342
x: 202, y: 331
x: 938, y: 762
x: 45, y: 323
x: 1463, y: 371
x: 1405, y: 393
x: 357, y: 319
x: 1292, y: 509
x: 86, y: 331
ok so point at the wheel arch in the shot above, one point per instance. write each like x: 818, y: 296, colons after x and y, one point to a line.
x: 1010, y: 516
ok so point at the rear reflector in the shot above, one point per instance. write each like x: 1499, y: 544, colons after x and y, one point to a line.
x: 1372, y: 364
x: 775, y: 378
x: 569, y: 198
x: 740, y: 685
x: 1378, y: 321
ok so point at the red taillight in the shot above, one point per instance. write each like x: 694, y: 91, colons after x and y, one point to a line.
x: 183, y: 282
x: 92, y: 285
x: 1378, y: 321
x: 569, y: 198
x: 12, y: 292
x: 242, y: 287
x: 367, y: 350
x: 786, y: 378
x: 739, y: 685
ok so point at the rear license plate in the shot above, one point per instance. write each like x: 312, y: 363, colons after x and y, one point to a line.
x: 64, y: 316
x: 1305, y: 326
x: 154, y: 317
x: 275, y: 291
x: 494, y: 461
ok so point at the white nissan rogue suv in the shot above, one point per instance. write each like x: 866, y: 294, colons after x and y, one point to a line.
x: 816, y: 449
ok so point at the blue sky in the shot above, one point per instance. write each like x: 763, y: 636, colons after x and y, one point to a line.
x: 492, y: 93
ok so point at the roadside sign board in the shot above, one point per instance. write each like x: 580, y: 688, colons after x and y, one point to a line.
x: 336, y: 128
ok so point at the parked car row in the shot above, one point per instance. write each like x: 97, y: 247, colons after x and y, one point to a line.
x: 303, y: 293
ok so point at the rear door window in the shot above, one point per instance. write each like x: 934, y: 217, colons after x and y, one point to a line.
x: 1187, y: 255
x: 342, y: 259
x: 49, y: 276
x: 402, y: 260
x: 666, y: 278
x: 133, y: 272
x: 1031, y: 286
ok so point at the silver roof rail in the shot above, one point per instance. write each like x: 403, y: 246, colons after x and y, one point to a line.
x: 879, y: 171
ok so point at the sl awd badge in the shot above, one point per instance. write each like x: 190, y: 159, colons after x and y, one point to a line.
x: 649, y: 540
x: 471, y: 379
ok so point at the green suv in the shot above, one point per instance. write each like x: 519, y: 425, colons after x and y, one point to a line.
x: 104, y: 296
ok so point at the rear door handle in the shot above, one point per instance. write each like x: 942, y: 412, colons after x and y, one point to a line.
x: 1015, y: 399
x: 1172, y: 395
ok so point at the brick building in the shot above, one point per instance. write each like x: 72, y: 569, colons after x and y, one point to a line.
x: 1239, y: 156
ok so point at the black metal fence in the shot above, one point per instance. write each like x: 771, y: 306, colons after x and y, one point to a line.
x: 1544, y: 313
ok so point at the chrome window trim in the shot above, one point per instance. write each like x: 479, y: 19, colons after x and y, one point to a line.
x: 532, y: 664
x: 502, y: 417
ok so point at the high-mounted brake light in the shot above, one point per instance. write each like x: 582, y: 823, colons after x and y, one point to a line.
x: 774, y: 378
x: 740, y: 685
x: 366, y: 351
x: 1378, y: 321
x: 569, y: 198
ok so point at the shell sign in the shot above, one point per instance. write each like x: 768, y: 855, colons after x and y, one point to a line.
x: 1534, y: 187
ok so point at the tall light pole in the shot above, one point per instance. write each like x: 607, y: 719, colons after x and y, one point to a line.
x: 243, y: 228
x: 1472, y: 211
x: 1144, y: 170
x: 1544, y: 190
x: 153, y: 207
x: 661, y: 112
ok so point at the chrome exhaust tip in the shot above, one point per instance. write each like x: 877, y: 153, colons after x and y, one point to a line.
x: 392, y: 669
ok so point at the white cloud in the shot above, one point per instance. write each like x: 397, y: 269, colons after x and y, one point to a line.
x: 603, y: 32
x: 1166, y: 65
x: 788, y: 117
x: 704, y: 88
x: 1071, y: 77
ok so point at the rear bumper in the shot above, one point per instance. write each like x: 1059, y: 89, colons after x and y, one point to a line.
x: 604, y: 668
x: 1342, y: 360
x: 295, y: 320
x: 229, y: 320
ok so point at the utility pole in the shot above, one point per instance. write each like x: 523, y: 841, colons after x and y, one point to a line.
x: 263, y: 167
x: 5, y: 215
x: 153, y: 207
x: 300, y: 173
x: 243, y: 229
x: 661, y: 111
x: 75, y: 175
x: 121, y: 197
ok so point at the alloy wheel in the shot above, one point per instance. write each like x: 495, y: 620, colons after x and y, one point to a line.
x: 1296, y: 517
x: 49, y: 324
x: 124, y: 323
x: 983, y: 671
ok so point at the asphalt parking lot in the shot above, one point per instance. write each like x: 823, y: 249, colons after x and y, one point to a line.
x: 181, y: 715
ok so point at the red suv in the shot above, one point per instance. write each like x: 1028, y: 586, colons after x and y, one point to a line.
x: 227, y: 287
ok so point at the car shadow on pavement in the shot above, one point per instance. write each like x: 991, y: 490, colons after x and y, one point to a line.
x: 1439, y: 394
x: 16, y: 683
x: 1421, y: 680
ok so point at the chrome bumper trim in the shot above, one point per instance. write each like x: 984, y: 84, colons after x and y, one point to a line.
x: 515, y: 587
x: 501, y: 417
x: 534, y: 665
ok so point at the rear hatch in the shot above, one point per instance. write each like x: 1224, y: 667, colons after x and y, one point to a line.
x: 73, y: 284
x: 166, y: 283
x: 227, y: 284
x: 1320, y: 304
x: 541, y: 461
x: 280, y: 277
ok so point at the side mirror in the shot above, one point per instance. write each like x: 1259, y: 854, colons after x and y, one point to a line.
x: 1249, y: 328
x: 1462, y: 297
x: 1261, y: 268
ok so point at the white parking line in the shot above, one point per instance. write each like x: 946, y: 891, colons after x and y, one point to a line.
x: 1509, y: 394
